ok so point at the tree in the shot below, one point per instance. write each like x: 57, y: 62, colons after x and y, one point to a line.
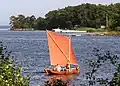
x: 22, y: 22
x: 40, y: 24
x: 84, y: 15
x: 13, y: 22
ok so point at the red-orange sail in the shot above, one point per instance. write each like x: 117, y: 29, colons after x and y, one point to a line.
x: 60, y: 49
x: 72, y: 55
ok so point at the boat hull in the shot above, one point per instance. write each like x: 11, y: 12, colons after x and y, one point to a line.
x: 53, y: 72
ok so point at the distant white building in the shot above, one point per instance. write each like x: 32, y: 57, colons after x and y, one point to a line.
x: 72, y: 31
x: 102, y: 26
x: 57, y: 30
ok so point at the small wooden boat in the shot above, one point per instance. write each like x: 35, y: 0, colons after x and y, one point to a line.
x: 53, y: 72
x: 61, y: 53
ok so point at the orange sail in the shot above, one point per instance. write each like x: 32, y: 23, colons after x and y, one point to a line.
x: 60, y: 49
x: 72, y: 55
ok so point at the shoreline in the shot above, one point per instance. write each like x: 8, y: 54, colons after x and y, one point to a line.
x: 79, y: 33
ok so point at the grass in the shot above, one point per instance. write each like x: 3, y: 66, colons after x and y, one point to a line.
x: 91, y: 29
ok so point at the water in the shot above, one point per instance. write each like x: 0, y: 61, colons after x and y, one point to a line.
x: 30, y: 49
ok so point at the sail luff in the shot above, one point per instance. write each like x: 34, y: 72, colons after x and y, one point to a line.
x: 69, y: 52
x: 69, y: 49
x: 58, y: 47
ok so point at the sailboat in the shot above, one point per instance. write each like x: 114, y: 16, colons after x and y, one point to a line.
x: 61, y: 53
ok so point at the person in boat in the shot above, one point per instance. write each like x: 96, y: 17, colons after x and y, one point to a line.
x: 57, y: 68
x: 67, y: 67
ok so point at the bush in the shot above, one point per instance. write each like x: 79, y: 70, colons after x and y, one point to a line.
x: 117, y: 28
x: 10, y: 74
x: 91, y: 30
x: 56, y: 82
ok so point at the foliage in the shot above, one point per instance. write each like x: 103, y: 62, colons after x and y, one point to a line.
x: 95, y: 64
x: 40, y: 24
x: 84, y: 15
x: 10, y: 74
x: 56, y: 82
x: 91, y: 30
x: 22, y: 22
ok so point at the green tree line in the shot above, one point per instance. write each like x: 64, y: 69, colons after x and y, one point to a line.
x: 84, y: 15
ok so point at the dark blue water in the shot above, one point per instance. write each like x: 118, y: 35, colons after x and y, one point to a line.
x: 30, y: 50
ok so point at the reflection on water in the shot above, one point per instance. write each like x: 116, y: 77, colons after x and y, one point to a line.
x: 65, y: 78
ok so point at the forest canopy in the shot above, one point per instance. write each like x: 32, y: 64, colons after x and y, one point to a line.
x: 84, y: 15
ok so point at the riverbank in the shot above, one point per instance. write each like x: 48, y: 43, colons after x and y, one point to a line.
x: 78, y: 33
x: 88, y: 32
x: 93, y: 34
x: 111, y: 33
